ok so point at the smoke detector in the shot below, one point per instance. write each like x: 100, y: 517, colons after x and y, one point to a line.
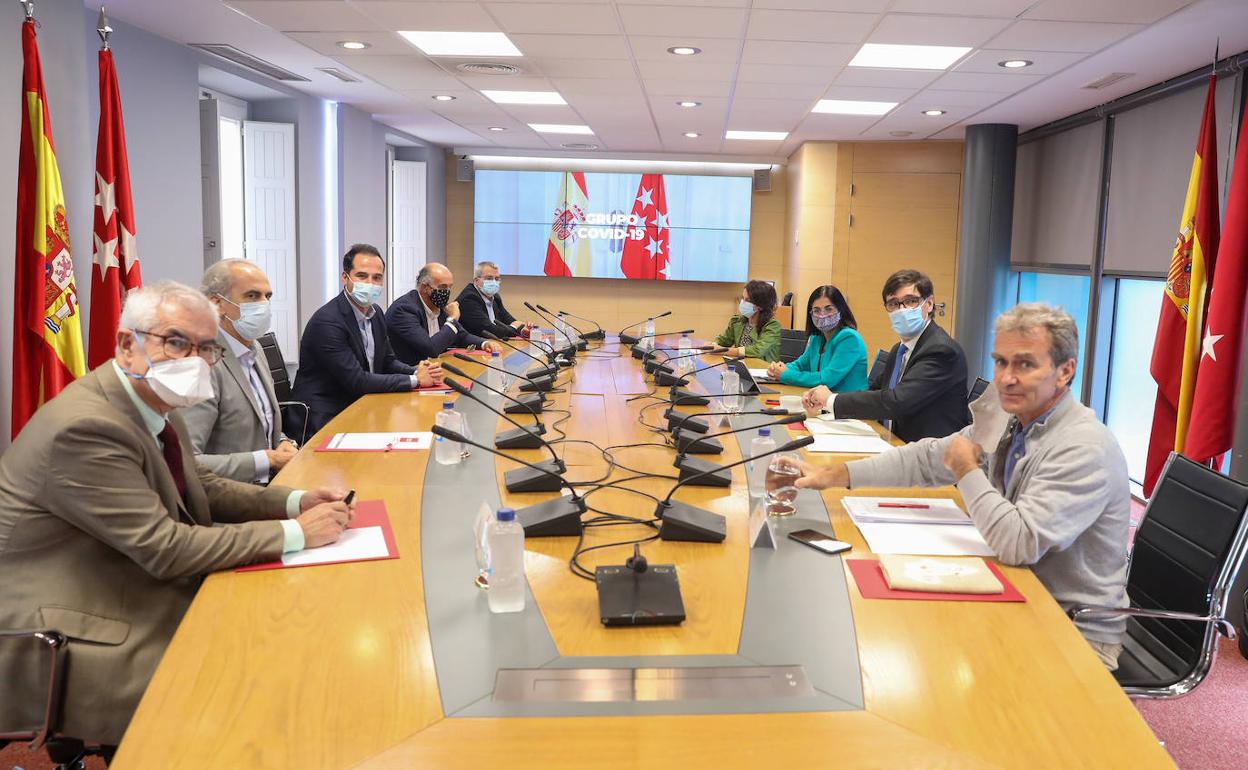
x: 487, y: 68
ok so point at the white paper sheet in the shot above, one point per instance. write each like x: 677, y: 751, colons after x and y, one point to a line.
x: 925, y: 540
x: 822, y: 426
x: 354, y: 545
x: 377, y: 442
x: 859, y: 445
x: 934, y: 510
x: 760, y: 375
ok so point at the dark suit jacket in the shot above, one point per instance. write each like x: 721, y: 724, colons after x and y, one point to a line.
x: 333, y: 372
x: 930, y: 398
x: 409, y: 333
x: 474, y: 318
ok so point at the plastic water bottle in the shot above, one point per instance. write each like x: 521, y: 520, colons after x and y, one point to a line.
x: 647, y: 339
x: 565, y: 333
x: 505, y: 544
x: 684, y: 351
x: 497, y: 377
x: 730, y: 386
x: 757, y: 469
x: 445, y: 451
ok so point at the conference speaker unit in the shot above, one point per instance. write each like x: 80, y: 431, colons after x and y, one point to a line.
x: 464, y: 170
x: 762, y: 180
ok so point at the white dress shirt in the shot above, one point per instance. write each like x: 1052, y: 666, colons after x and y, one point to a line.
x: 364, y: 320
x: 246, y: 356
x: 909, y: 343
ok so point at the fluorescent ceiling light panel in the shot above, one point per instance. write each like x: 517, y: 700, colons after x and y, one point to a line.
x: 850, y: 107
x: 908, y: 57
x: 461, y: 43
x: 560, y: 128
x: 761, y: 136
x: 524, y: 97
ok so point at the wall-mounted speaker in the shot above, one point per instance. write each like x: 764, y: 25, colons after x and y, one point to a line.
x: 463, y: 169
x: 762, y: 180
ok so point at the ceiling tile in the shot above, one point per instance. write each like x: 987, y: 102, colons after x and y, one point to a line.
x: 506, y: 83
x: 870, y: 77
x: 449, y: 17
x: 675, y: 20
x: 306, y: 15
x: 572, y: 46
x: 788, y: 52
x: 568, y: 18
x: 864, y: 94
x: 1028, y: 35
x: 1005, y: 9
x: 1043, y: 62
x: 722, y: 49
x: 971, y: 99
x: 976, y: 81
x: 786, y: 112
x: 403, y: 72
x: 666, y: 107
x: 779, y: 73
x: 811, y: 26
x: 539, y: 113
x: 905, y: 29
x: 585, y: 68
x: 808, y: 91
x: 380, y: 43
x: 1125, y: 11
x: 687, y: 68
x: 699, y: 3
x: 686, y: 89
x: 850, y: 6
x: 569, y: 86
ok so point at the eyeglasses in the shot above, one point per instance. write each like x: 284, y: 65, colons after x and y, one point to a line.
x: 909, y: 303
x: 823, y: 311
x: 177, y: 346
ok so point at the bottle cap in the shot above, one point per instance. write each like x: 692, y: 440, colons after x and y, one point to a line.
x: 764, y: 432
x: 493, y: 354
x: 448, y: 404
x: 506, y: 514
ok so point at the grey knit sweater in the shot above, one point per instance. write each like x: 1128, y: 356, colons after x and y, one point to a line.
x: 1065, y: 512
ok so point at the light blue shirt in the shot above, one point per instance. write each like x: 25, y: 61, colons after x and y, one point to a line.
x: 1018, y: 443
x: 155, y: 423
x: 246, y: 356
x: 363, y: 320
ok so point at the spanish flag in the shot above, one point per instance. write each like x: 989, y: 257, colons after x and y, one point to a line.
x: 566, y: 253
x: 47, y: 338
x: 1180, y: 327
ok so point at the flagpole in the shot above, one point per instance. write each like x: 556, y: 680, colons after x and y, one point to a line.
x: 103, y: 30
x: 29, y: 6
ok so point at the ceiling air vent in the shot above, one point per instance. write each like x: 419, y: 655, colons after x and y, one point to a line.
x: 334, y: 72
x: 578, y: 146
x: 487, y: 68
x: 230, y: 53
x: 1108, y: 80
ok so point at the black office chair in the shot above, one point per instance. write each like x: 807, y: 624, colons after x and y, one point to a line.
x: 281, y: 386
x: 877, y: 367
x: 792, y: 344
x: 977, y: 389
x: 1187, y: 550
x: 787, y: 299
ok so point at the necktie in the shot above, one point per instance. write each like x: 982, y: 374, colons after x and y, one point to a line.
x: 173, y: 457
x: 897, y: 366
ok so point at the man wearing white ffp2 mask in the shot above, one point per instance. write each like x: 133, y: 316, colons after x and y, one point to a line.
x: 238, y: 431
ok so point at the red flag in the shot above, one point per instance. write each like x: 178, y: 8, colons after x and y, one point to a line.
x: 1180, y: 327
x: 116, y: 257
x: 1213, y: 407
x: 646, y: 257
x: 47, y: 338
x: 566, y: 254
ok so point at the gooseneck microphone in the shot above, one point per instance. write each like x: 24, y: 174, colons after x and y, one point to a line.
x: 570, y: 350
x: 560, y: 516
x: 520, y: 437
x: 638, y: 353
x: 630, y: 340
x: 689, y: 420
x: 596, y: 334
x: 541, y: 377
x: 682, y: 521
x: 530, y: 404
x: 581, y: 342
x: 698, y: 444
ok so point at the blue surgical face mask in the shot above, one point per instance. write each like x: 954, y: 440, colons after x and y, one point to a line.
x: 254, y: 318
x: 907, y: 322
x: 747, y: 308
x: 365, y: 294
x: 489, y: 286
x: 826, y: 323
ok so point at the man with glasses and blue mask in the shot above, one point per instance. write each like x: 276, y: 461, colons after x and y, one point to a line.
x: 108, y: 525
x: 345, y: 351
x: 237, y: 432
x: 481, y: 307
x: 922, y: 388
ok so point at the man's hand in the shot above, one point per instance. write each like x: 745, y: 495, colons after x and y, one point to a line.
x: 492, y: 346
x: 775, y: 370
x: 815, y: 399
x: 452, y: 310
x: 428, y: 373
x: 321, y: 496
x: 823, y: 476
x: 278, y: 458
x: 962, y: 456
x: 324, y: 523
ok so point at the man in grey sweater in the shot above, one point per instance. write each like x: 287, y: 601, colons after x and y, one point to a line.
x: 1052, y: 492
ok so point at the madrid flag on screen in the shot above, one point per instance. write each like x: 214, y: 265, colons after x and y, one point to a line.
x: 1180, y: 327
x: 116, y: 268
x: 566, y: 254
x: 47, y: 338
x: 647, y: 257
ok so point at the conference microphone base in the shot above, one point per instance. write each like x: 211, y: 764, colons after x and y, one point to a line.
x: 638, y: 352
x: 598, y: 335
x: 526, y: 479
x: 531, y: 404
x: 538, y: 384
x: 688, y: 398
x: 716, y: 476
x: 520, y: 438
x: 630, y: 598
x: 559, y: 517
x: 696, y: 444
x: 542, y: 371
x: 582, y: 345
x: 627, y: 339
x: 689, y: 524
x: 663, y: 379
x: 685, y: 421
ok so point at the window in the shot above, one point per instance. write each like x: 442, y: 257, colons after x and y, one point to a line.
x: 1129, y: 404
x: 230, y: 158
x: 1064, y: 290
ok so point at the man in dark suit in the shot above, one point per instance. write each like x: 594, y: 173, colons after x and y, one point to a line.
x: 345, y: 350
x: 481, y: 307
x: 424, y: 323
x: 922, y: 389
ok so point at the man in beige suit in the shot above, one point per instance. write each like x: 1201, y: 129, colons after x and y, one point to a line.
x: 107, y: 525
x: 237, y: 432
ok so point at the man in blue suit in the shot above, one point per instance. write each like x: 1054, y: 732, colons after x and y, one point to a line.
x: 424, y: 323
x: 345, y: 351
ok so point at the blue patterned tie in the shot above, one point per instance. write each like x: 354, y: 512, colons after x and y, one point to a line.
x: 897, y: 366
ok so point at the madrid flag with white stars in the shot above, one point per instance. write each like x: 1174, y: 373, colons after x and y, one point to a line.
x: 116, y: 269
x: 647, y: 257
x: 1213, y: 407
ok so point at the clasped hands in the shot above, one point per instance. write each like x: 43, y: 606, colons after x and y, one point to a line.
x: 323, y: 515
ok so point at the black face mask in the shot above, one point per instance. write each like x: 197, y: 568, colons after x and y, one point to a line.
x: 439, y: 297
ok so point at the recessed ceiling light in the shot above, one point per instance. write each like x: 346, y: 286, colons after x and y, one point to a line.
x: 684, y: 50
x: 688, y: 103
x: 1014, y: 64
x: 761, y: 136
x: 354, y: 45
x: 524, y: 97
x: 692, y: 135
x: 560, y: 128
x: 444, y: 98
x: 497, y: 128
x: 849, y: 107
x: 933, y: 113
x: 461, y: 43
x: 912, y: 57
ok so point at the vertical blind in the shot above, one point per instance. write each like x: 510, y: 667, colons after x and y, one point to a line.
x: 1056, y: 184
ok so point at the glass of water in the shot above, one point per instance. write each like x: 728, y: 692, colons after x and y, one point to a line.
x: 730, y: 386
x: 782, y: 475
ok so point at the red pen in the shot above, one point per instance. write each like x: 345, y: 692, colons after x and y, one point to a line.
x: 903, y: 505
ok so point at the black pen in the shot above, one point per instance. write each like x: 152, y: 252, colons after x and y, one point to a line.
x: 350, y: 496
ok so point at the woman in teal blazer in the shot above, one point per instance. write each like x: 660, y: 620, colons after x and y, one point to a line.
x: 835, y: 354
x: 754, y: 332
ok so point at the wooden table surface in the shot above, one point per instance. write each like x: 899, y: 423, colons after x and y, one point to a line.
x: 331, y: 667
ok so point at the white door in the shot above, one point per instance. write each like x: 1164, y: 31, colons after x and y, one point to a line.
x: 269, y: 214
x: 407, y: 225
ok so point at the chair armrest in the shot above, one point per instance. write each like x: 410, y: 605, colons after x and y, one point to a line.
x: 307, y: 415
x: 56, y: 642
x: 1223, y: 625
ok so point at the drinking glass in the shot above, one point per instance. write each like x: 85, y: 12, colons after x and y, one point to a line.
x: 782, y: 473
x: 730, y: 386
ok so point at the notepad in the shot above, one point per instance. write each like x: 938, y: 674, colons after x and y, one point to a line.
x: 904, y: 510
x: 354, y: 545
x: 858, y: 445
x: 378, y: 442
x: 826, y: 427
x: 925, y: 540
x: 939, y: 575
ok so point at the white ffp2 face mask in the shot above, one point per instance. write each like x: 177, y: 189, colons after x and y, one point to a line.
x: 178, y: 382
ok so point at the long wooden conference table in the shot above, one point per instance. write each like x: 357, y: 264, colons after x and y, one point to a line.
x: 372, y: 664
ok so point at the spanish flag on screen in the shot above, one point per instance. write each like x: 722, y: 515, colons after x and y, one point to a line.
x: 566, y: 253
x: 47, y: 338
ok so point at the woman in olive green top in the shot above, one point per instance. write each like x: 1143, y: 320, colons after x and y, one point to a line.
x: 754, y: 332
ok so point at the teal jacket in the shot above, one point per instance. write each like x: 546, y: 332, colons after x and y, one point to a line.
x: 840, y: 363
x: 766, y: 341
